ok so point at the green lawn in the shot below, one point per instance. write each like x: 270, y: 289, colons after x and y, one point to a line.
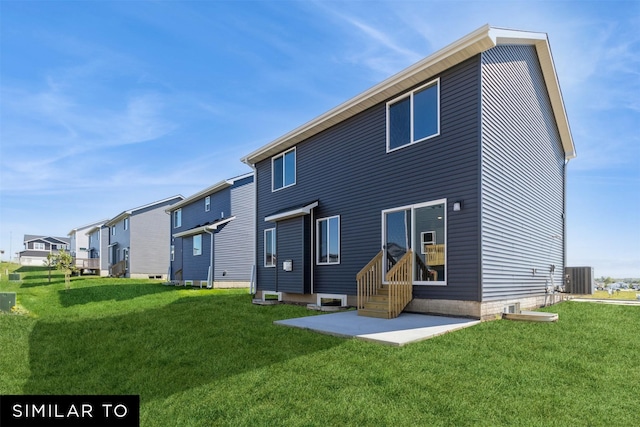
x: 202, y: 357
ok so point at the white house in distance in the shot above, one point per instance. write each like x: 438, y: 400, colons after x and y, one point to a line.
x: 36, y: 248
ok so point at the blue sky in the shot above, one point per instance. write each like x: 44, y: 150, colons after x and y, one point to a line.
x: 109, y: 105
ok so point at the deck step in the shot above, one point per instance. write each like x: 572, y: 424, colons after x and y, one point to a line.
x: 377, y: 305
x: 370, y: 312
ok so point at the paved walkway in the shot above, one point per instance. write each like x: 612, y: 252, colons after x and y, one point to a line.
x: 405, y: 329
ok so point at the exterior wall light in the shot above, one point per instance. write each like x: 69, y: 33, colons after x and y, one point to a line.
x: 457, y: 206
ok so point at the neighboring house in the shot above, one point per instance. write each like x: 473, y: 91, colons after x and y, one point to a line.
x: 80, y: 249
x: 451, y: 172
x: 138, y: 241
x: 212, y: 235
x: 98, y: 245
x: 36, y: 248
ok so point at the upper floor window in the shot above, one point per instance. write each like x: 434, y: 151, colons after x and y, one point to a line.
x: 414, y: 117
x: 270, y: 247
x: 39, y: 246
x: 126, y: 223
x: 113, y: 230
x: 197, y: 244
x: 207, y: 203
x: 177, y: 218
x: 283, y: 169
x: 328, y: 230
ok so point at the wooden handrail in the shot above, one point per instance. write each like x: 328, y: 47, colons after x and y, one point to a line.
x: 434, y: 254
x: 369, y: 280
x: 400, y: 280
x: 118, y: 269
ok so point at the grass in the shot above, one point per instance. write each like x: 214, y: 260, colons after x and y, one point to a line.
x: 203, y: 357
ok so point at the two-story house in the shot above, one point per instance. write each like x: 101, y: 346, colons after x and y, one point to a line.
x: 138, y: 241
x: 438, y: 190
x: 98, y: 245
x: 80, y: 249
x: 212, y: 241
x: 37, y: 248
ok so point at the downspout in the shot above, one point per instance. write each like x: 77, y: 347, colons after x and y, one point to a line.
x: 253, y: 286
x: 210, y: 273
x: 564, y: 221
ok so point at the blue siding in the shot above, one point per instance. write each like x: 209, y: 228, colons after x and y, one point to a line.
x: 349, y: 171
x: 233, y: 242
x: 522, y: 177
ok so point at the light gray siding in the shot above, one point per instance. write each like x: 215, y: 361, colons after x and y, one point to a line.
x: 522, y: 177
x: 149, y: 241
x: 233, y: 243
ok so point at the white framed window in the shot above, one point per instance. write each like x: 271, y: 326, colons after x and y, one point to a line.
x: 427, y: 238
x: 283, y: 170
x: 38, y: 246
x: 113, y: 230
x: 172, y: 253
x: 197, y: 245
x: 207, y: 203
x: 421, y: 228
x: 328, y: 240
x: 414, y: 117
x: 126, y: 223
x: 177, y: 218
x: 270, y: 247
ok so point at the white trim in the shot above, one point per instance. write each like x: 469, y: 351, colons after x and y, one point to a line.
x: 318, y: 240
x: 341, y: 297
x: 422, y: 241
x: 295, y: 169
x: 478, y: 41
x: 207, y: 203
x: 219, y: 186
x: 193, y: 244
x: 304, y: 210
x: 175, y: 215
x: 264, y: 258
x: 410, y: 95
x: 117, y: 218
x: 265, y: 293
x: 211, y: 227
x: 411, y: 244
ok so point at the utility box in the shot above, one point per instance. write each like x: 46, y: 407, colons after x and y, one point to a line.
x: 7, y: 301
x: 579, y: 280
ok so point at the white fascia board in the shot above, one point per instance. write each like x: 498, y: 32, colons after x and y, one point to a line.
x: 304, y: 210
x: 445, y: 58
x: 478, y: 41
x: 122, y: 216
x: 202, y: 229
x: 502, y: 36
x: 92, y: 226
x: 200, y: 194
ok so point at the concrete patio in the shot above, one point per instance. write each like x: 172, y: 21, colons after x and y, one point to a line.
x: 405, y: 329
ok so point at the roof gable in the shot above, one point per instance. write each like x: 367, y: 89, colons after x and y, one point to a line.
x: 474, y: 43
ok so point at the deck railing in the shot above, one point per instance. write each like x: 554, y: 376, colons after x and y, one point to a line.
x: 118, y: 269
x: 400, y: 280
x: 435, y: 254
x: 369, y: 280
x: 87, y: 263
